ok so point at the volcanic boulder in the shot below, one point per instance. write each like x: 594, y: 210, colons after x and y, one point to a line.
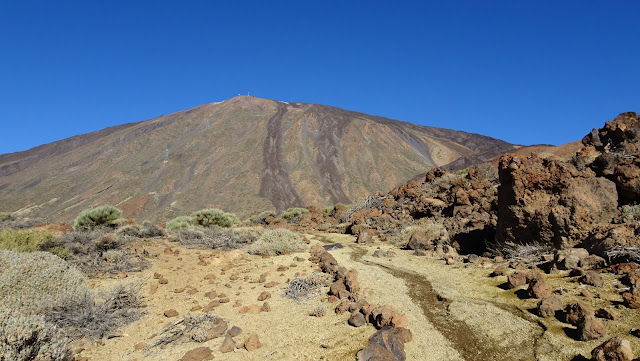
x: 549, y: 201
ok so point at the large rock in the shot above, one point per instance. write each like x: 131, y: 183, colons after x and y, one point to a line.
x: 614, y: 349
x: 386, y: 344
x: 549, y: 201
x: 590, y: 328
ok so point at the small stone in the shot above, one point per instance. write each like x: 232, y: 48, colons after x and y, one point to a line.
x: 122, y: 275
x: 516, y: 279
x: 356, y: 319
x: 585, y: 293
x: 139, y: 346
x: 163, y: 281
x: 252, y: 342
x: 266, y: 307
x: 211, y: 294
x: 210, y: 276
x: 271, y: 284
x: 499, y: 271
x: 157, y: 276
x: 198, y: 354
x: 333, y: 299
x: 228, y: 345
x: 196, y: 308
x: 592, y: 278
x: 170, y: 313
x: 264, y: 296
x: 224, y: 300
x: 606, y: 314
x: 168, y: 251
x: 234, y: 331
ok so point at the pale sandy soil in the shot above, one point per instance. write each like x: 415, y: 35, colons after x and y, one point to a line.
x: 455, y: 311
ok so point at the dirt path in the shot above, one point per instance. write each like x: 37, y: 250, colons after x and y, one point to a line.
x: 455, y: 312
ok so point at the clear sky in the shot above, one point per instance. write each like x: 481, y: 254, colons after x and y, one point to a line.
x: 524, y: 71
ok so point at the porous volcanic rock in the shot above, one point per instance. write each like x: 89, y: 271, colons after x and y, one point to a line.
x: 549, y: 201
x: 614, y: 349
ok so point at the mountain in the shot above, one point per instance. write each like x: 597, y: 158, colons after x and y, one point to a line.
x: 243, y: 155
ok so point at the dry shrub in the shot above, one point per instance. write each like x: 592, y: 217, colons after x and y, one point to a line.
x: 215, y: 238
x: 277, y: 241
x: 530, y: 253
x: 432, y: 229
x: 96, y: 316
x: 189, y: 328
x: 30, y: 337
x: 300, y: 289
x: 144, y: 230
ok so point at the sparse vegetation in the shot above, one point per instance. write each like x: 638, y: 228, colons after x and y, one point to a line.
x: 432, y: 229
x: 260, y: 218
x: 103, y: 216
x: 38, y: 281
x: 277, y: 242
x: 97, y: 251
x: 180, y: 222
x: 630, y: 214
x: 215, y: 217
x: 24, y: 240
x: 293, y: 213
x: 319, y: 311
x: 630, y: 253
x: 5, y: 216
x: 144, y: 230
x: 30, y: 337
x: 188, y: 328
x: 215, y: 238
x: 300, y: 289
x: 327, y: 211
x: 97, y: 316
x: 526, y: 253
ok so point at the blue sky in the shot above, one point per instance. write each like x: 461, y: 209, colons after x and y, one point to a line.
x: 524, y: 71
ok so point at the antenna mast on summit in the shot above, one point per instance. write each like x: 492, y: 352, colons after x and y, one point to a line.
x: 166, y: 155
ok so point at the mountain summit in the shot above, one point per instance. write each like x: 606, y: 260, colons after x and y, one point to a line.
x: 244, y: 155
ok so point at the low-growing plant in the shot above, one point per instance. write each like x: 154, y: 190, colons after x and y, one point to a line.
x: 37, y: 282
x: 630, y: 213
x: 318, y: 311
x: 5, y: 216
x: 180, y: 222
x: 24, y: 240
x: 432, y: 229
x: 215, y: 217
x: 300, y: 289
x: 530, y: 253
x: 95, y: 316
x: 186, y: 329
x: 215, y: 238
x: 293, y: 213
x: 327, y: 211
x: 260, y: 218
x: 103, y: 216
x: 144, y: 230
x: 29, y: 337
x: 277, y: 241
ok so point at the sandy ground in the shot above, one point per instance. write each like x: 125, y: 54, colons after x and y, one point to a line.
x: 456, y: 312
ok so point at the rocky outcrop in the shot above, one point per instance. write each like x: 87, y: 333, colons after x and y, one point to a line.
x: 549, y: 201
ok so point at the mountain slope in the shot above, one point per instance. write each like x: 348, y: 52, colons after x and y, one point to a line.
x: 244, y: 155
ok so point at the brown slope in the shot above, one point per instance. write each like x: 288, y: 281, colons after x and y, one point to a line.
x: 244, y: 155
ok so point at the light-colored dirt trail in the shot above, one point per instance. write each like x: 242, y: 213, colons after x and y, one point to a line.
x: 455, y: 312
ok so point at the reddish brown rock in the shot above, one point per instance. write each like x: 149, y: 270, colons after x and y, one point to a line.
x: 590, y: 328
x: 538, y: 288
x: 170, y: 313
x: 228, y: 344
x: 234, y: 331
x: 623, y: 268
x: 575, y: 311
x: 198, y: 354
x: 549, y: 306
x: 264, y: 296
x: 592, y: 278
x: 516, y: 279
x: 356, y: 319
x: 252, y: 342
x: 632, y: 278
x: 614, y: 349
x: 550, y: 201
x: 499, y: 271
x: 606, y: 314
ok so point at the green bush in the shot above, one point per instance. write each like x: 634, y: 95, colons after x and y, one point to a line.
x: 180, y: 222
x: 30, y: 337
x: 215, y: 217
x: 103, y: 216
x: 260, y: 218
x: 24, y: 240
x: 5, y: 216
x: 277, y: 242
x: 293, y: 213
x: 38, y: 281
x: 327, y: 211
x: 630, y: 213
